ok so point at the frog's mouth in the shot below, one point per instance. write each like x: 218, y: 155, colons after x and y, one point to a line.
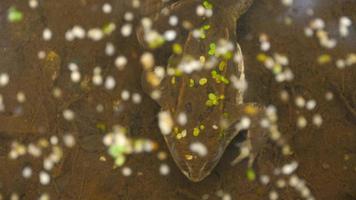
x: 195, y: 168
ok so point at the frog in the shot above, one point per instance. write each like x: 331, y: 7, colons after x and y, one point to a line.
x: 208, y: 98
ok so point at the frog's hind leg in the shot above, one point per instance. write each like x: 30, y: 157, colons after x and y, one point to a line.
x: 256, y: 135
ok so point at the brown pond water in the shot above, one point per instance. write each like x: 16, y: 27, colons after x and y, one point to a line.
x: 326, y: 155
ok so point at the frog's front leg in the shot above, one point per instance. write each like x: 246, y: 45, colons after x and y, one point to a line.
x: 251, y: 115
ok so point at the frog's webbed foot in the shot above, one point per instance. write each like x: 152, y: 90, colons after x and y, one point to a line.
x: 251, y: 115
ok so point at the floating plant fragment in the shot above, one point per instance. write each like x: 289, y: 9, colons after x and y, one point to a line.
x: 14, y: 15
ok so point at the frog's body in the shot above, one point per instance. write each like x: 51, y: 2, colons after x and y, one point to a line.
x: 212, y: 105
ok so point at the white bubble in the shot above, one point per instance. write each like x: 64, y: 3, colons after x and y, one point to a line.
x: 120, y: 62
x: 68, y: 115
x: 48, y: 164
x: 165, y: 122
x: 198, y: 148
x: 33, y: 3
x: 311, y: 104
x: 78, y: 32
x: 47, y: 34
x: 69, y: 140
x: 41, y: 55
x: 329, y: 96
x: 136, y: 98
x: 97, y: 79
x: 345, y: 21
x: 75, y: 76
x: 100, y: 108
x: 110, y: 83
x: 300, y: 101
x: 21, y: 97
x: 273, y: 195
x: 34, y: 150
x: 44, y: 196
x: 182, y: 119
x: 125, y: 95
x: 27, y: 172
x: 95, y: 34
x: 287, y: 2
x: 264, y: 179
x: 226, y: 197
x: 14, y: 196
x: 53, y: 140
x: 107, y: 8
x: 73, y: 66
x: 301, y: 122
x: 4, y: 79
x: 109, y: 49
x: 289, y: 168
x: 200, y: 11
x: 126, y: 171
x: 164, y: 169
x: 317, y: 120
x: 173, y: 20
x: 129, y: 16
x: 147, y: 60
x: 308, y: 32
x: 170, y: 35
x: 44, y: 178
x: 244, y: 123
x: 69, y: 35
x: 126, y: 30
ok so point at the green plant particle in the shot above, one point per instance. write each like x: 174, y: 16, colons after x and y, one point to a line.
x: 203, y: 81
x: 175, y: 130
x: 277, y: 68
x: 120, y: 160
x: 101, y: 126
x: 173, y: 80
x: 177, y: 48
x: 157, y: 42
x: 214, y: 73
x: 196, y: 132
x: 251, y: 175
x: 212, y: 96
x: 224, y: 80
x: 218, y: 78
x: 262, y: 57
x: 202, y: 127
x: 212, y: 48
x: 323, y: 59
x: 202, y: 34
x: 116, y: 150
x: 207, y: 5
x: 191, y: 82
x: 222, y: 97
x: 209, y: 103
x: 227, y: 55
x: 108, y: 28
x: 179, y: 136
x: 14, y: 15
x: 206, y: 27
x: 221, y: 133
x: 222, y: 65
x: 178, y: 72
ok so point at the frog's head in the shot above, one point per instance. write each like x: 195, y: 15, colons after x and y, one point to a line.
x: 195, y: 156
